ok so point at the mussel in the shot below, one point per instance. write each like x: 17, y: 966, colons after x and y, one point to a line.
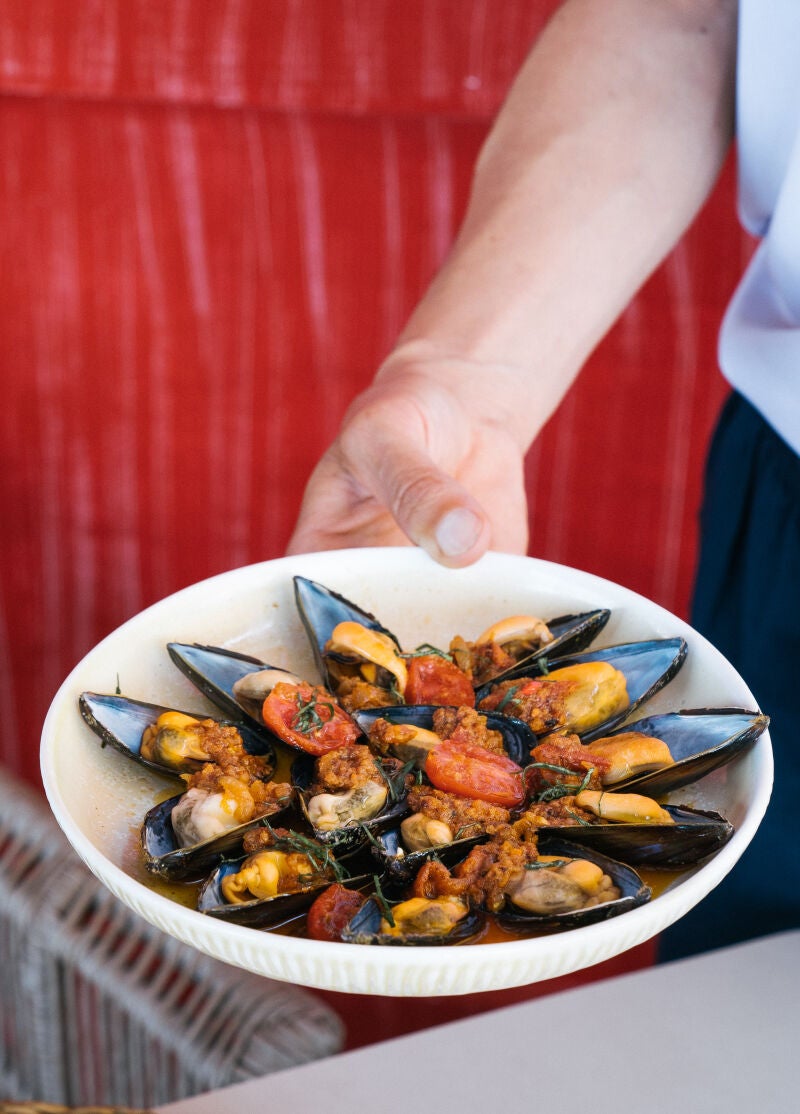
x: 175, y: 747
x: 165, y: 856
x: 518, y: 739
x: 414, y: 922
x: 279, y: 895
x: 688, y: 837
x: 518, y: 641
x: 236, y: 683
x: 699, y: 740
x: 322, y: 611
x: 348, y: 818
x: 603, y: 687
x: 544, y: 896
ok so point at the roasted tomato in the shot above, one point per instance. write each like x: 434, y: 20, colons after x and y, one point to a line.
x: 331, y: 912
x: 307, y: 717
x: 436, y: 680
x: 474, y: 772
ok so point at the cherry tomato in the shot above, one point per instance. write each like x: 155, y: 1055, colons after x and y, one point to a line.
x: 471, y: 771
x: 436, y: 680
x: 331, y: 912
x: 307, y: 717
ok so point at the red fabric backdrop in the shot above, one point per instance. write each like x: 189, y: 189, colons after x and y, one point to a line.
x: 216, y: 217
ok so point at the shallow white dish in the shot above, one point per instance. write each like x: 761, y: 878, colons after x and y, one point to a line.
x: 99, y: 797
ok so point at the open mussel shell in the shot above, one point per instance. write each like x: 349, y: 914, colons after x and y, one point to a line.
x: 694, y: 837
x: 571, y: 634
x: 699, y: 739
x: 120, y: 722
x: 633, y: 891
x: 321, y: 610
x: 518, y: 739
x: 264, y: 912
x: 365, y: 928
x: 648, y: 666
x: 351, y: 836
x: 215, y: 671
x: 402, y: 866
x: 164, y: 856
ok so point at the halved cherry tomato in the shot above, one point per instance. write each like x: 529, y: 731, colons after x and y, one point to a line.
x: 436, y: 680
x: 331, y: 912
x: 307, y: 717
x: 471, y: 771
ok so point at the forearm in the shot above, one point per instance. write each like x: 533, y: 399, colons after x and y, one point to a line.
x: 606, y: 147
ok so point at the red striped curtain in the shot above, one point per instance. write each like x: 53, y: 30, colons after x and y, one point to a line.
x: 216, y: 217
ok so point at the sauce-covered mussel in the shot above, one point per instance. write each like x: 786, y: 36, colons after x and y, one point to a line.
x: 414, y: 922
x: 534, y: 885
x: 411, y: 732
x: 440, y: 825
x: 518, y: 641
x: 165, y: 739
x: 655, y: 755
x: 183, y: 837
x: 280, y: 875
x: 587, y: 693
x: 351, y: 793
x: 630, y: 827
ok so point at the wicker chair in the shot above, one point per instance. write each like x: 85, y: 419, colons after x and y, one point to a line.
x: 98, y: 1007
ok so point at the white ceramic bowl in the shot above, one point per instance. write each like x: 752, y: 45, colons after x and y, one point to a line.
x: 99, y: 797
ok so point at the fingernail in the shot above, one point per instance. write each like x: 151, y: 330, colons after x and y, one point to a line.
x: 457, y: 532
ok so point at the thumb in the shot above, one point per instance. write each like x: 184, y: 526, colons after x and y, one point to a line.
x: 431, y: 508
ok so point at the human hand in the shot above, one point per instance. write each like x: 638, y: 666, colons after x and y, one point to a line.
x: 417, y: 461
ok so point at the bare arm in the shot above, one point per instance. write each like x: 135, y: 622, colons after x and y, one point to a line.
x: 607, y: 145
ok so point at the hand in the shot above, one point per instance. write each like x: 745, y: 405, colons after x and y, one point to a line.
x: 414, y: 462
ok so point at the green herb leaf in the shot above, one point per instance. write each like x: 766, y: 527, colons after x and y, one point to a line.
x: 508, y: 696
x: 386, y: 910
x: 556, y: 864
x: 426, y: 650
x: 308, y: 718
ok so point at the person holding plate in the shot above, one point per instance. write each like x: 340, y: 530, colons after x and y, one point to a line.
x: 607, y: 146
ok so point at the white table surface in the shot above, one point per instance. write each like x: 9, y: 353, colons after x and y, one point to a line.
x: 715, y: 1033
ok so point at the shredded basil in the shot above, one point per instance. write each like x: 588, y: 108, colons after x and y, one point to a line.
x: 307, y: 717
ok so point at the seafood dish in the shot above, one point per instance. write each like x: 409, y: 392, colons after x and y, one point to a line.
x: 418, y: 797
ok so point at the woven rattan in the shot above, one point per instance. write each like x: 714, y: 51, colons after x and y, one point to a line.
x: 97, y: 1006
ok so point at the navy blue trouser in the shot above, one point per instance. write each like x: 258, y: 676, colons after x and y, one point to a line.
x: 747, y: 603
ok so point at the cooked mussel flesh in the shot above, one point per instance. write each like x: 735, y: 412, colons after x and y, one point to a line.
x: 623, y: 808
x: 630, y: 754
x: 251, y: 690
x: 329, y: 811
